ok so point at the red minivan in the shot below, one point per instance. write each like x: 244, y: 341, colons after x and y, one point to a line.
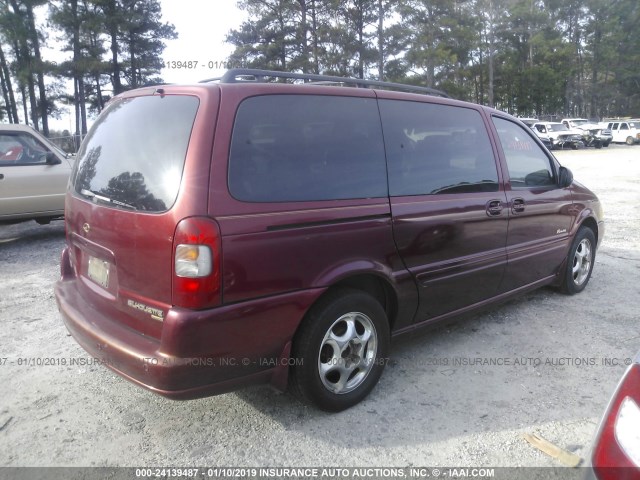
x: 245, y: 231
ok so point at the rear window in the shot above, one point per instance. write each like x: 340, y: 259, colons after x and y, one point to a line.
x: 305, y: 148
x: 134, y: 155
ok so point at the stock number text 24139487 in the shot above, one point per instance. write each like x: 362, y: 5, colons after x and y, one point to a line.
x: 193, y: 64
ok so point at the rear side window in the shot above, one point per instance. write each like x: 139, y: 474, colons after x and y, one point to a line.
x: 306, y: 148
x: 135, y: 153
x: 436, y: 149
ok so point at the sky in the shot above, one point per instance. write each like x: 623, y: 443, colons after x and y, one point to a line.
x: 202, y: 26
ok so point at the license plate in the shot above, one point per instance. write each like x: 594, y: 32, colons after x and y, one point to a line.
x: 99, y: 271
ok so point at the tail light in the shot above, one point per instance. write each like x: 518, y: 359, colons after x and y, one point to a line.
x: 616, y: 454
x: 196, y: 265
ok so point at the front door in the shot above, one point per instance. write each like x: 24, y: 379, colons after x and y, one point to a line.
x: 540, y: 213
x: 27, y: 183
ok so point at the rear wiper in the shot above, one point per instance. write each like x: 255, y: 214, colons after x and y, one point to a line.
x: 101, y: 198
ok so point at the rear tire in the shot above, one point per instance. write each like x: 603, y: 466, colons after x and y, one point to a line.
x: 580, y: 260
x: 340, y: 350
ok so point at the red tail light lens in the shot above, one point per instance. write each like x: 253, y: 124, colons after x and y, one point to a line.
x: 616, y: 454
x: 196, y: 266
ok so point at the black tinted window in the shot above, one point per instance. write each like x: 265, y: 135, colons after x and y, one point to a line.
x: 306, y: 147
x: 135, y: 152
x: 528, y: 165
x: 435, y: 149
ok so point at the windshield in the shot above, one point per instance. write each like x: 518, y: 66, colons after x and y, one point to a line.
x: 134, y: 155
x: 556, y: 127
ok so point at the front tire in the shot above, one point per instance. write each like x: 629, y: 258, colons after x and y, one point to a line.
x: 340, y: 350
x: 580, y: 260
x: 630, y: 141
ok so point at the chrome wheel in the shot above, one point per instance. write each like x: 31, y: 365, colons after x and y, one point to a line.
x: 347, y: 353
x: 582, y: 262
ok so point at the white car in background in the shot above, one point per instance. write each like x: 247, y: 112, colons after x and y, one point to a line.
x: 593, y: 134
x: 33, y: 176
x: 624, y: 131
x: 559, y: 135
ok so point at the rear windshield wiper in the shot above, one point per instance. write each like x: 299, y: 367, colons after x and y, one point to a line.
x: 101, y: 198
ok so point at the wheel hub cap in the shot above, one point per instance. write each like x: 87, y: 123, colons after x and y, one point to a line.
x: 582, y: 262
x: 347, y: 353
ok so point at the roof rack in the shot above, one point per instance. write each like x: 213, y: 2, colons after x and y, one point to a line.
x: 248, y: 75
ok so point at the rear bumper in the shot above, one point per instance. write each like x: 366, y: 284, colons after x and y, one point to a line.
x: 200, y: 353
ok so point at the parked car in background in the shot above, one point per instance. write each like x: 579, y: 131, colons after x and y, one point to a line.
x: 33, y: 176
x: 231, y: 246
x: 624, y: 131
x: 559, y: 135
x: 593, y: 134
x: 544, y: 138
x: 529, y: 122
x: 616, y: 449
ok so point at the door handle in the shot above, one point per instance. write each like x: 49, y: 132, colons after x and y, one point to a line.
x: 517, y: 205
x: 494, y: 208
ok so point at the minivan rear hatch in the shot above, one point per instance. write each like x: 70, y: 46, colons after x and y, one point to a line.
x: 125, y: 201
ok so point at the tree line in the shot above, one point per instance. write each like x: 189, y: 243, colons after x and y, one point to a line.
x: 110, y: 45
x: 527, y: 57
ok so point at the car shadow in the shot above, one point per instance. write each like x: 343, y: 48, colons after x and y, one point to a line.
x: 30, y: 232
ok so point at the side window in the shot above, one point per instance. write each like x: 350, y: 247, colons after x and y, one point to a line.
x: 528, y: 165
x: 624, y: 126
x: 305, y: 148
x: 21, y: 149
x: 436, y: 149
x: 615, y: 126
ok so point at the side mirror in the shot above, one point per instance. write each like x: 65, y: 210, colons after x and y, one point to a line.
x: 52, y: 159
x: 565, y: 177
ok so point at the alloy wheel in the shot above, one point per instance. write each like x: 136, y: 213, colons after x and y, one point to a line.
x: 347, y: 353
x: 582, y: 262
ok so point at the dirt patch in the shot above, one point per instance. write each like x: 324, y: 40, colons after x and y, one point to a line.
x: 461, y: 395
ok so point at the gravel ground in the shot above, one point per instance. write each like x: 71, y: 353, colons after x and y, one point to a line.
x: 558, y: 360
